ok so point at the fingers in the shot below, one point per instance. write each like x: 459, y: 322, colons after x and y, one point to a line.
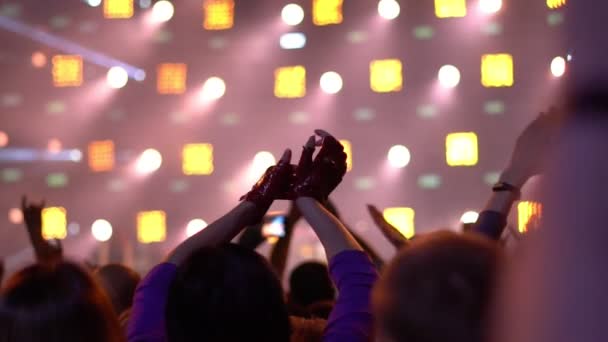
x: 310, y: 144
x: 307, y: 152
x: 322, y: 133
x: 286, y: 158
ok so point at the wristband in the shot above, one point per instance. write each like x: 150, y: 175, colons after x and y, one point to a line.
x: 504, y: 186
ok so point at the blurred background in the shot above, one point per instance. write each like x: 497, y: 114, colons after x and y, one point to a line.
x: 132, y: 118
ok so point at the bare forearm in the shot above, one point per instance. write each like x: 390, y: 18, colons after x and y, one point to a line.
x: 332, y: 233
x: 221, y: 231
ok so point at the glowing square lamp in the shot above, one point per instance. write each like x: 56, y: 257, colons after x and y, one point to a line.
x: 218, y: 14
x: 67, y: 70
x: 117, y: 9
x: 497, y: 70
x: 461, y: 149
x: 101, y: 155
x: 348, y: 149
x: 450, y: 8
x: 171, y: 78
x: 290, y: 82
x: 386, y: 75
x: 528, y: 215
x: 197, y: 159
x: 151, y: 226
x: 54, y: 223
x: 554, y: 4
x: 327, y: 12
x: 402, y: 219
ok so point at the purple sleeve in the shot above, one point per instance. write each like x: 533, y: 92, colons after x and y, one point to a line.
x: 147, y: 322
x: 351, y: 319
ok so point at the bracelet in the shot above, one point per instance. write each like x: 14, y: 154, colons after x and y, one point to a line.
x: 504, y: 186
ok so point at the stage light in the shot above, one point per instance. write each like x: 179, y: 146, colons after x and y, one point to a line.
x: 219, y: 14
x: 292, y: 14
x: 171, y: 78
x: 151, y: 226
x: 162, y: 11
x: 38, y: 59
x: 558, y: 66
x: 261, y: 162
x: 54, y: 146
x: 554, y: 4
x: 528, y: 215
x: 197, y: 159
x: 402, y: 219
x: 117, y: 77
x: 461, y: 149
x: 348, y: 149
x: 3, y: 139
x: 118, y: 9
x: 389, y: 9
x: 67, y: 70
x: 497, y: 70
x: 331, y: 82
x: 290, y: 82
x: 149, y: 161
x: 93, y: 3
x: 213, y: 89
x: 101, y: 230
x: 139, y: 75
x: 386, y: 75
x: 326, y: 12
x: 54, y: 223
x: 101, y: 155
x: 449, y: 76
x: 469, y: 217
x: 399, y: 156
x: 292, y: 40
x: 195, y: 226
x: 450, y: 8
x: 490, y: 6
x: 75, y: 155
x: 15, y: 216
x: 145, y: 3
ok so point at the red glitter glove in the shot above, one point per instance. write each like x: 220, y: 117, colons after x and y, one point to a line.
x: 273, y: 184
x: 320, y: 177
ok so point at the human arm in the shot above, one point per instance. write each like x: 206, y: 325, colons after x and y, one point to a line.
x: 45, y: 251
x: 388, y: 230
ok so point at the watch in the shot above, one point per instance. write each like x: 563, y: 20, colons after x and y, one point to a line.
x: 504, y: 186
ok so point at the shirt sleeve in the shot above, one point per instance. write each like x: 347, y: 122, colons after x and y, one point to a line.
x: 147, y: 322
x: 491, y: 224
x: 351, y: 319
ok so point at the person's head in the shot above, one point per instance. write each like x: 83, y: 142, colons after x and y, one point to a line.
x: 226, y: 293
x: 119, y: 283
x: 438, y: 289
x: 53, y: 303
x: 310, y: 283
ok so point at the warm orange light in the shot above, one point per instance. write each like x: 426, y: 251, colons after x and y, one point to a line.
x: 348, y: 149
x: 101, y: 155
x: 326, y: 12
x: 54, y: 223
x: 386, y: 75
x: 461, y: 149
x: 528, y: 215
x: 118, y: 9
x: 219, y: 14
x: 151, y: 226
x: 497, y: 70
x: 290, y: 82
x: 38, y: 59
x: 67, y: 70
x: 197, y: 159
x: 402, y: 219
x: 553, y: 4
x: 171, y: 78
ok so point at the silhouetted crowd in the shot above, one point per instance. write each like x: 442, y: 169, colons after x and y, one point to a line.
x: 441, y: 286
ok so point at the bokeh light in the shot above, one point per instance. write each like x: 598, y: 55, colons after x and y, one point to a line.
x: 93, y: 3
x: 261, y: 162
x: 292, y: 14
x: 558, y: 66
x: 449, y: 76
x: 15, y: 216
x: 213, y: 89
x: 331, y: 82
x: 195, y: 226
x: 399, y: 156
x: 3, y: 139
x: 101, y: 230
x: 117, y: 77
x: 388, y: 9
x: 39, y: 59
x: 162, y: 11
x: 149, y: 161
x: 469, y: 217
x: 490, y: 6
x: 54, y: 146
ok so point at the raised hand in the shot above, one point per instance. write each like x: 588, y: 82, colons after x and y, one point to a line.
x: 272, y: 185
x: 46, y: 252
x: 388, y: 230
x: 319, y: 177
